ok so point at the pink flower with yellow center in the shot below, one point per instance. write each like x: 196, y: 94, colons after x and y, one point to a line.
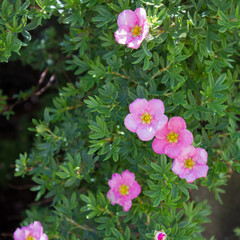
x: 191, y: 164
x: 133, y: 27
x: 172, y: 138
x: 123, y: 188
x: 145, y: 118
x: 32, y: 232
x: 160, y: 235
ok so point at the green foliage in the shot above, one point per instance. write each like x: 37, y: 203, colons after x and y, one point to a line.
x: 189, y: 60
x: 14, y: 20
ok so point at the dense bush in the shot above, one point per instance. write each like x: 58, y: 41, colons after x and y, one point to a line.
x: 189, y: 60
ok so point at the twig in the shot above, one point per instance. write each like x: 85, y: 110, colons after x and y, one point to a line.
x: 72, y: 107
x: 46, y: 86
x: 120, y: 75
x: 161, y: 70
x: 35, y: 92
x: 40, y: 81
x: 44, y: 201
x: 21, y: 187
x: 77, y: 225
x: 148, y: 219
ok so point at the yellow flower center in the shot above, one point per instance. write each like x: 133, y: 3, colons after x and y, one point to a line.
x: 29, y: 237
x: 146, y: 118
x: 136, y: 31
x: 189, y: 163
x: 172, y: 137
x: 123, y: 189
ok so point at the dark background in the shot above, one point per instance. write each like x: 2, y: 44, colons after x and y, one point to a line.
x: 15, y: 138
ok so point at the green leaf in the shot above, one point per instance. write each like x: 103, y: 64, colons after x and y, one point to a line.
x: 184, y: 190
x: 5, y: 5
x: 145, y: 49
x: 9, y: 39
x: 127, y: 233
x: 40, y: 3
x: 27, y: 35
x: 156, y: 167
x: 33, y: 24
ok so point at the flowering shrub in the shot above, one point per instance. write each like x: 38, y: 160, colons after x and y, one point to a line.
x: 180, y: 63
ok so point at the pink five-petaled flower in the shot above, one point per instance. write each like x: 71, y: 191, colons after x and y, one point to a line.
x: 123, y: 188
x: 145, y: 118
x: 32, y: 232
x: 133, y: 27
x: 160, y: 235
x: 191, y: 164
x: 172, y: 138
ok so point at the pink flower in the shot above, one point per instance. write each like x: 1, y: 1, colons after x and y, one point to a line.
x: 160, y: 235
x: 145, y: 118
x: 123, y: 188
x: 191, y: 164
x: 172, y: 138
x: 133, y: 27
x: 32, y: 232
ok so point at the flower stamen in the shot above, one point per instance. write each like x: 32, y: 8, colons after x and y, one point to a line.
x: 29, y: 237
x: 146, y: 118
x: 189, y: 163
x: 136, y: 31
x: 172, y: 137
x: 123, y: 189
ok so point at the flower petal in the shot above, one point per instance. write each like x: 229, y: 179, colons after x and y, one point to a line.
x: 200, y: 156
x: 138, y: 106
x: 156, y: 106
x: 185, y: 137
x: 134, y: 190
x: 123, y: 36
x: 131, y: 122
x: 44, y: 237
x: 176, y: 124
x: 187, y: 152
x: 127, y: 205
x: 111, y: 197
x: 160, y: 236
x: 115, y: 180
x: 145, y: 30
x: 158, y: 145
x: 128, y: 177
x: 177, y: 167
x: 141, y: 15
x: 36, y: 228
x: 159, y: 121
x: 127, y: 18
x: 200, y: 171
x: 145, y: 132
x: 173, y: 150
x: 135, y: 43
x: 190, y: 177
x: 19, y: 234
x: 163, y: 132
